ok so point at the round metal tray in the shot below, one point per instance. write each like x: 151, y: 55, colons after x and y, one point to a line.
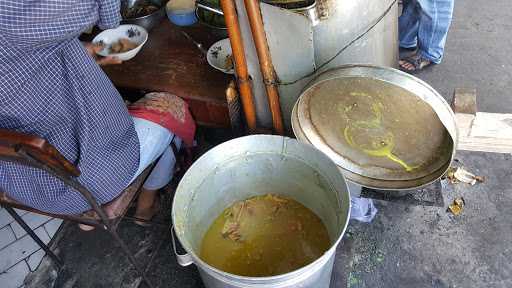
x: 384, y: 128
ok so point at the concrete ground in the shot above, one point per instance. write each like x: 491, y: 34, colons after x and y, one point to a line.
x: 426, y: 246
x: 477, y: 54
x: 407, y: 244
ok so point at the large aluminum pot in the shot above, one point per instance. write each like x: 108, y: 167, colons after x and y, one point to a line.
x: 251, y: 166
x: 384, y: 128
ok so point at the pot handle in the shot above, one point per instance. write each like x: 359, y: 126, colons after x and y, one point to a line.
x: 183, y: 259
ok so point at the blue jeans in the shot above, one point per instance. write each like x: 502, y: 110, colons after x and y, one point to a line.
x: 425, y: 23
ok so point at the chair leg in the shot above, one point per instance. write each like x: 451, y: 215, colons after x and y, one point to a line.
x: 33, y: 235
x: 94, y: 204
x: 130, y: 256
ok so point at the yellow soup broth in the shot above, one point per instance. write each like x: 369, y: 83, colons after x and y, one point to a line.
x: 264, y: 236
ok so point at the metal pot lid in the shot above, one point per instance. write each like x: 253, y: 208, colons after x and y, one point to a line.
x: 384, y: 128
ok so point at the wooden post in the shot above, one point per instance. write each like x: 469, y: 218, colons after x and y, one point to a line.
x: 237, y: 46
x: 267, y: 68
x: 233, y: 99
x: 464, y: 101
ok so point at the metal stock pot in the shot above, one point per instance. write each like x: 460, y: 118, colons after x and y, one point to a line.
x: 251, y: 166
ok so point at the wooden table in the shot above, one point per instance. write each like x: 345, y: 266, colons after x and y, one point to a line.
x: 170, y: 62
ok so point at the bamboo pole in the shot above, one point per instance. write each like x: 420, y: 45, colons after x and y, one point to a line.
x: 237, y: 46
x: 267, y: 68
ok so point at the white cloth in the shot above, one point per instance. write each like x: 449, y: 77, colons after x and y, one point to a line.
x: 154, y: 142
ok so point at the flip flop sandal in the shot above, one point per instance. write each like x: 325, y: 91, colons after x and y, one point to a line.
x: 418, y: 62
x: 91, y: 214
x: 146, y: 222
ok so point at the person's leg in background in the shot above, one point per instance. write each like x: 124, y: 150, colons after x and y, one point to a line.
x: 157, y: 117
x: 435, y: 19
x: 434, y: 22
x: 408, y: 24
x: 148, y: 202
x: 163, y: 115
x: 154, y: 142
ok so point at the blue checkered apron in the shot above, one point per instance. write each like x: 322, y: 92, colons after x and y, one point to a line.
x: 51, y: 87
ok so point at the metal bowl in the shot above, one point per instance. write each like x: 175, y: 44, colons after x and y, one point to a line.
x: 148, y: 21
x: 218, y: 30
x: 211, y: 16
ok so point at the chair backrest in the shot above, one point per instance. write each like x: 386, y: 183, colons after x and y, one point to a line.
x: 14, y: 145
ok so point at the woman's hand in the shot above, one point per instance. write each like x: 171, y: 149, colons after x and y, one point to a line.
x: 92, y: 49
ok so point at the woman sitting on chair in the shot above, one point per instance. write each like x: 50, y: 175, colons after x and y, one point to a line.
x: 51, y: 86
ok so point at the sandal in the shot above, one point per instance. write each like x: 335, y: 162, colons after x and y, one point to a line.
x: 91, y: 215
x: 415, y: 62
x: 109, y: 209
x: 147, y: 215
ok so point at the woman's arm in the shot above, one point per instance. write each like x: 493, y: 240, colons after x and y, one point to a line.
x: 41, y: 23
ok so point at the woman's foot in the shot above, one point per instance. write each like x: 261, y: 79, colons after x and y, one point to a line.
x: 414, y: 63
x: 89, y: 214
x: 109, y: 210
x: 148, y: 206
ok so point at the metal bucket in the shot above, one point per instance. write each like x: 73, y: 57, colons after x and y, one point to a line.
x: 251, y: 166
x: 416, y: 125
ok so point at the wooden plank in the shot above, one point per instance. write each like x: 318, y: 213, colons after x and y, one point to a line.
x: 464, y: 101
x: 485, y: 132
x: 490, y: 145
x: 492, y: 125
x: 480, y: 131
x: 464, y: 123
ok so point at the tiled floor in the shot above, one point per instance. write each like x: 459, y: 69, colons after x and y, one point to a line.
x: 19, y: 254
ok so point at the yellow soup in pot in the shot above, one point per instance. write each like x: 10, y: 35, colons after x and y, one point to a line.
x: 265, y: 235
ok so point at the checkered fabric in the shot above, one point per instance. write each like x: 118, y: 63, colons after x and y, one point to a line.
x: 51, y: 87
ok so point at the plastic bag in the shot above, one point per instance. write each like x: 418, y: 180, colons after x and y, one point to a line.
x: 362, y: 209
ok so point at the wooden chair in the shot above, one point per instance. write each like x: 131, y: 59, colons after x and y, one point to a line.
x: 37, y: 152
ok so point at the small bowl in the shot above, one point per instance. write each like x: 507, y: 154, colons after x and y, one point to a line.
x: 181, y: 13
x: 182, y: 17
x: 218, y: 55
x: 134, y: 33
